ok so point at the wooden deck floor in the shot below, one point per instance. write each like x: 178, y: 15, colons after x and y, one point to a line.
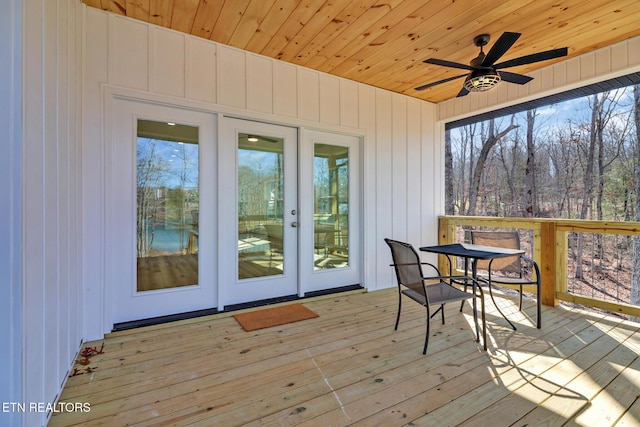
x: 349, y: 367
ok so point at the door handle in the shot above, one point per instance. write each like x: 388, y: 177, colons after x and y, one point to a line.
x: 294, y: 224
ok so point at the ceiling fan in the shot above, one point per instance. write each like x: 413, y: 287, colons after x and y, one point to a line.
x: 485, y: 72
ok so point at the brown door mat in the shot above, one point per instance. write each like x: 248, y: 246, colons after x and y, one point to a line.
x: 274, y: 316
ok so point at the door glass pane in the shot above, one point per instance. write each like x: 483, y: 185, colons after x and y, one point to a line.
x: 260, y: 206
x: 331, y: 206
x: 167, y: 205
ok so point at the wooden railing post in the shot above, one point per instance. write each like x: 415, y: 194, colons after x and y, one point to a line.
x: 446, y: 234
x: 548, y: 255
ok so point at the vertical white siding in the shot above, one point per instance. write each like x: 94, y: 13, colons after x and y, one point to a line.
x: 259, y: 84
x: 51, y: 209
x: 399, y: 171
x: 201, y: 70
x: 606, y: 63
x: 128, y: 53
x: 285, y: 82
x: 398, y: 132
x: 166, y: 73
x: 10, y: 213
x: 232, y: 87
x: 329, y: 102
x: 308, y: 91
x: 383, y: 181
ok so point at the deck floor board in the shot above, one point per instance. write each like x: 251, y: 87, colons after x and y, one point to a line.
x: 349, y: 367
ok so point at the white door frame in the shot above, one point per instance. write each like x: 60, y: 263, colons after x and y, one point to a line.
x: 231, y: 289
x: 103, y: 305
x: 316, y: 280
x: 120, y: 272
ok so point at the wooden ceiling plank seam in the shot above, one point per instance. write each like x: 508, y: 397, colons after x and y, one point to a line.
x: 375, y: 30
x: 291, y: 27
x: 383, y: 43
x: 161, y: 12
x: 184, y: 14
x: 115, y: 6
x: 456, y: 17
x: 333, y: 29
x: 230, y: 16
x: 425, y: 73
x: 93, y: 3
x: 138, y: 9
x: 351, y: 34
x: 454, y: 51
x: 325, y: 15
x: 253, y: 16
x: 273, y: 21
x: 206, y: 18
x: 397, y: 33
x: 558, y: 39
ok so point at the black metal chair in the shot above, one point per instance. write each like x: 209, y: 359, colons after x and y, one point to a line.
x: 430, y: 290
x: 510, y: 270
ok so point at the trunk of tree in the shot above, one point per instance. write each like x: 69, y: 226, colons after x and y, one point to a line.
x: 470, y: 137
x: 587, y: 189
x: 449, y: 207
x: 531, y: 208
x: 509, y: 164
x: 635, y: 282
x: 476, y: 179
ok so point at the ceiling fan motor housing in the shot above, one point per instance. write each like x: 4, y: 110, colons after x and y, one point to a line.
x: 481, y: 80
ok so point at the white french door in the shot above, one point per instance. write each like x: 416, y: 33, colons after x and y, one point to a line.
x: 206, y: 211
x: 161, y: 212
x: 258, y: 211
x: 289, y: 211
x: 330, y: 232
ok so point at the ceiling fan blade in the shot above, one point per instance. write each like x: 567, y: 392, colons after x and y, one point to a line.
x: 462, y: 92
x: 445, y: 63
x: 514, y: 78
x: 500, y: 47
x: 535, y: 57
x: 428, y: 85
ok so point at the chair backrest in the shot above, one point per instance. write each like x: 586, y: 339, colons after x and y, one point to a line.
x: 500, y: 239
x: 407, y: 265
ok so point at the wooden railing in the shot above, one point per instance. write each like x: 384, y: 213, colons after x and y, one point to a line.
x: 549, y: 250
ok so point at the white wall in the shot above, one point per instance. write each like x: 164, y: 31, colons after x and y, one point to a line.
x: 10, y: 245
x: 49, y: 254
x: 603, y: 64
x: 402, y: 157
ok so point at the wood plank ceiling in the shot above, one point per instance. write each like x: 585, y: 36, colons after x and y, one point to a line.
x: 383, y: 42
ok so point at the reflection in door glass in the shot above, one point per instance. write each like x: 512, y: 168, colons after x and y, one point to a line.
x: 260, y: 206
x: 331, y: 206
x: 167, y: 205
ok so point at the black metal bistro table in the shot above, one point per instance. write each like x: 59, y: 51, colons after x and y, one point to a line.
x: 471, y: 252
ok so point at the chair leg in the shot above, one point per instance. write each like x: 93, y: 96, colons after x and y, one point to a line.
x: 498, y: 308
x: 484, y: 323
x: 520, y: 298
x: 426, y: 338
x: 539, y: 307
x: 399, y: 308
x: 441, y: 308
x: 462, y: 302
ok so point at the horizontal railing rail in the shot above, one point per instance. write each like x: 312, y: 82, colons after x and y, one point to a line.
x: 550, y: 248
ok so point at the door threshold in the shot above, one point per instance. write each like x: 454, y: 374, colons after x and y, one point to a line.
x: 123, y: 326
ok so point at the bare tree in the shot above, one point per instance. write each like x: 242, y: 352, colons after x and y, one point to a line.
x: 530, y: 196
x: 149, y: 172
x: 449, y: 207
x: 488, y: 144
x: 635, y: 283
x: 589, y: 171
